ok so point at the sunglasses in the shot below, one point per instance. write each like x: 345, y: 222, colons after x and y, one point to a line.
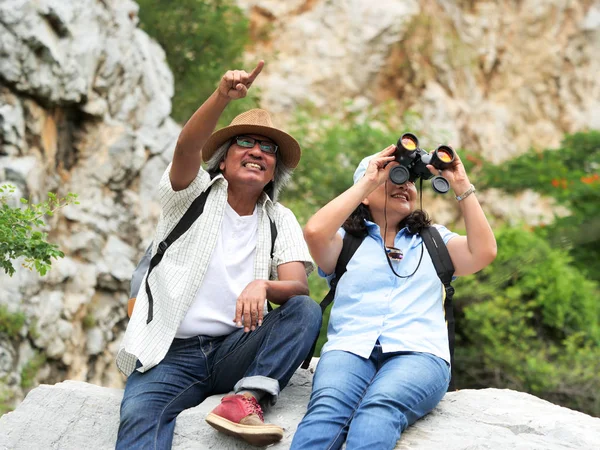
x: 394, y: 253
x: 248, y: 142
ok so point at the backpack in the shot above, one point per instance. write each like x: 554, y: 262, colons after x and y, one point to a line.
x: 149, y: 262
x: 441, y: 261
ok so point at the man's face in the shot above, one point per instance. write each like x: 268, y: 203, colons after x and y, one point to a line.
x: 249, y: 166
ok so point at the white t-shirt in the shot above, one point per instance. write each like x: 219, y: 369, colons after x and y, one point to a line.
x: 230, y: 270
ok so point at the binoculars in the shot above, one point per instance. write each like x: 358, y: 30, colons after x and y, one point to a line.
x: 413, y: 163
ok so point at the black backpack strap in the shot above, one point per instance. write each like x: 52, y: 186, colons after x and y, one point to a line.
x: 273, y: 238
x: 349, y: 247
x: 445, y: 270
x: 184, y: 224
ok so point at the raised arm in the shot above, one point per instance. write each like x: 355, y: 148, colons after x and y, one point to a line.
x: 188, y: 152
x: 321, y: 231
x: 477, y: 249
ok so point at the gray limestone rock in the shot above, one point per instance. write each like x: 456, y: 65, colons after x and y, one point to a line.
x: 75, y: 415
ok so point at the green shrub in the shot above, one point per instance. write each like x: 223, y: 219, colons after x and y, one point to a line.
x: 202, y: 39
x: 530, y: 322
x: 10, y: 323
x: 7, y: 398
x: 569, y: 174
x: 31, y: 369
x: 89, y: 321
x: 20, y: 235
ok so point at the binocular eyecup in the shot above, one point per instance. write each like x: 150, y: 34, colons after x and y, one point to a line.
x: 413, y: 163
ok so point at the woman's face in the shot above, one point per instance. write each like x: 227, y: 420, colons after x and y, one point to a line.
x: 397, y: 200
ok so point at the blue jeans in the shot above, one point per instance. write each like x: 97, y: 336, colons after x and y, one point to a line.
x: 195, y: 368
x: 369, y: 402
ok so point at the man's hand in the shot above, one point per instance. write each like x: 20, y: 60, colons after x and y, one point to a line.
x: 250, y: 305
x: 235, y: 83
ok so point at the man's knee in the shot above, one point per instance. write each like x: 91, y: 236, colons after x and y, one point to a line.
x: 307, y: 311
x: 136, y: 410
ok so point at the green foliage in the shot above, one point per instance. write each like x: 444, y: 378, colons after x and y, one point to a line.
x: 200, y: 39
x: 569, y: 174
x: 31, y: 369
x: 7, y: 398
x: 34, y: 333
x: 10, y: 323
x: 89, y: 321
x: 20, y: 235
x: 530, y: 322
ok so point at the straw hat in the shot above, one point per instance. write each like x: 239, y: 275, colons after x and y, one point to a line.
x: 255, y: 121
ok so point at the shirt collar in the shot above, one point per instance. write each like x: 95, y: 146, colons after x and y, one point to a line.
x: 373, y: 228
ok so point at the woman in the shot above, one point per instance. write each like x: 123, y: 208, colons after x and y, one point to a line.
x: 386, y: 362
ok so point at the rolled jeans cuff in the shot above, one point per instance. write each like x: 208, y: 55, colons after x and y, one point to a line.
x: 259, y: 383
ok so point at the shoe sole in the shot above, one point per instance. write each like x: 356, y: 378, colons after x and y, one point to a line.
x: 259, y: 436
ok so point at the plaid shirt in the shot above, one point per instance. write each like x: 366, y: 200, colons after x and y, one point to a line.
x: 176, y: 280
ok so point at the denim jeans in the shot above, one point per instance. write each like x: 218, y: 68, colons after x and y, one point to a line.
x: 197, y: 367
x: 369, y: 402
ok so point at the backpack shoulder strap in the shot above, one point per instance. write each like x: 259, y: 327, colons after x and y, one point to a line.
x: 273, y: 238
x: 184, y: 224
x: 439, y: 254
x: 445, y: 270
x: 349, y: 247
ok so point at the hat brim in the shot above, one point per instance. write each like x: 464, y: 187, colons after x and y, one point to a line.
x: 288, y: 147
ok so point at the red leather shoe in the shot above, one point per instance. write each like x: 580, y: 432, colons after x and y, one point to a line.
x: 241, y: 416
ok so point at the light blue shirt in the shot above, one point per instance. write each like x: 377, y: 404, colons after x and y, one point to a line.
x: 371, y: 303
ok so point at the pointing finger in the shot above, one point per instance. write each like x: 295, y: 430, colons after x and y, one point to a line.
x: 257, y: 70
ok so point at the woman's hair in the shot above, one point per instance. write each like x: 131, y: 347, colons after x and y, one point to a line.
x: 280, y: 180
x: 355, y: 223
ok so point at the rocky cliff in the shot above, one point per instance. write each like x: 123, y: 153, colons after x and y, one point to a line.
x: 85, y: 105
x: 85, y: 99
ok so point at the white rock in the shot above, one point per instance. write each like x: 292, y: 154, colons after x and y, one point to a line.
x: 75, y: 415
x: 95, y: 341
x: 12, y: 124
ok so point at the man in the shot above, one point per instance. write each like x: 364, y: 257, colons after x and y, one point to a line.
x: 202, y: 330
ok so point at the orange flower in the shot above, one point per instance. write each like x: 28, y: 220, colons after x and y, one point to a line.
x: 591, y: 179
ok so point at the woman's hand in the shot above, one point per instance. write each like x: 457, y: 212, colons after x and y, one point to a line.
x: 455, y: 174
x: 235, y: 83
x: 379, y: 166
x: 249, y: 309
